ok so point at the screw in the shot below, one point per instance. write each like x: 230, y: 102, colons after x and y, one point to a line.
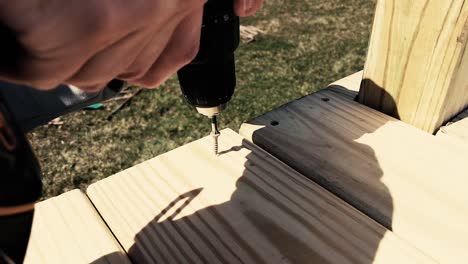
x: 215, y: 133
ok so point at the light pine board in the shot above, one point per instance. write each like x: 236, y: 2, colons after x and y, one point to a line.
x: 417, y: 61
x: 67, y: 229
x: 399, y: 175
x: 188, y: 206
x: 455, y: 133
x: 348, y: 86
x: 458, y: 145
x: 457, y: 130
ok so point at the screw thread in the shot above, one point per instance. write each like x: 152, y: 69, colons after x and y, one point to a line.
x: 215, y: 144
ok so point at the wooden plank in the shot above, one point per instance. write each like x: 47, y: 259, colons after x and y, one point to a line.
x: 188, y: 206
x: 458, y: 130
x: 455, y: 133
x: 348, y: 86
x: 417, y: 61
x: 67, y: 229
x: 400, y: 176
x: 457, y: 145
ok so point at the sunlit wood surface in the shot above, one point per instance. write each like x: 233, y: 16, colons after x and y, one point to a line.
x: 404, y: 178
x: 188, y: 206
x: 67, y: 229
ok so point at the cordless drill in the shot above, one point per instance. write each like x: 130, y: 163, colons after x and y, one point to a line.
x: 208, y: 82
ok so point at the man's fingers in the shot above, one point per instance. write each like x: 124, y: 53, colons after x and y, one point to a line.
x: 128, y: 58
x: 148, y: 55
x: 247, y: 7
x: 93, y: 88
x: 107, y: 63
x: 181, y: 50
x: 86, y: 43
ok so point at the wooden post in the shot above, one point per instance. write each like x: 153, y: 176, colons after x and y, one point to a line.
x: 417, y: 64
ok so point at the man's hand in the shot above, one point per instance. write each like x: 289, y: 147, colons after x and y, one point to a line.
x: 87, y: 43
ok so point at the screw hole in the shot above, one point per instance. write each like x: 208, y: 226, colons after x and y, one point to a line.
x: 274, y: 123
x: 326, y: 99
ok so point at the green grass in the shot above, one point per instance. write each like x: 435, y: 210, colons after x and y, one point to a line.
x: 307, y: 44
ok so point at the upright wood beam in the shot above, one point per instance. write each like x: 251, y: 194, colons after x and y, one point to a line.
x: 417, y: 64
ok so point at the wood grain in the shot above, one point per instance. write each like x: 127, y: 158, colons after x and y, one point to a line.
x: 399, y: 175
x: 67, y: 229
x: 417, y: 61
x: 245, y: 206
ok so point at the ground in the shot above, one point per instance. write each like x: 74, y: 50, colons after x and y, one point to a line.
x: 306, y: 45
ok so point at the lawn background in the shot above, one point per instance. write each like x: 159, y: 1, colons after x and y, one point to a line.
x: 306, y: 45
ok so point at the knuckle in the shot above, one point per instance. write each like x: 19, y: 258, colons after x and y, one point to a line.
x: 41, y: 84
x: 130, y: 76
x: 43, y: 74
x: 93, y: 88
x: 188, y: 5
x: 39, y: 79
x: 148, y: 81
x: 189, y: 53
x: 99, y: 21
x: 135, y: 72
x: 198, y: 3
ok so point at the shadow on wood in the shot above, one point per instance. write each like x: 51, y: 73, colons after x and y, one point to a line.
x: 325, y: 147
x: 288, y: 229
x: 378, y: 98
x: 273, y: 215
x: 404, y: 178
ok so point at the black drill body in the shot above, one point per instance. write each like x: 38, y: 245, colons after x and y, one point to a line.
x: 210, y: 79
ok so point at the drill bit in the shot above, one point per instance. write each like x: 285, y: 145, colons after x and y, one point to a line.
x: 215, y: 133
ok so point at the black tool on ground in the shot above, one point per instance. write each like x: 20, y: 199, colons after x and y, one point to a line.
x: 208, y: 82
x: 20, y: 175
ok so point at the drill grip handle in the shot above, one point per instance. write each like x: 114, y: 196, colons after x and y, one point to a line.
x: 210, y: 79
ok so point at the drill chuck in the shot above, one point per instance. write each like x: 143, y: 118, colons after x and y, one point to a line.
x: 208, y: 82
